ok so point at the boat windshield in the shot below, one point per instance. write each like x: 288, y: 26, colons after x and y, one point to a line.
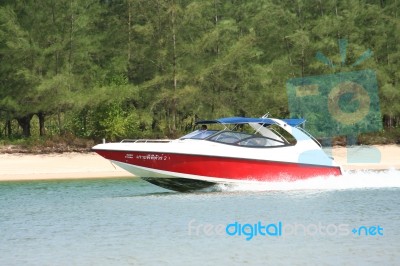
x: 249, y: 135
x: 199, y: 134
x: 235, y: 138
x: 247, y: 140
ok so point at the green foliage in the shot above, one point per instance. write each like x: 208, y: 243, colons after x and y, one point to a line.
x: 136, y: 68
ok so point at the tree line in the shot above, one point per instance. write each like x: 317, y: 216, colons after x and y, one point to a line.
x: 138, y: 68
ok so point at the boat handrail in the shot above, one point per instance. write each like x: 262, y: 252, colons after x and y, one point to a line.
x: 279, y: 135
x: 145, y: 140
x: 310, y: 136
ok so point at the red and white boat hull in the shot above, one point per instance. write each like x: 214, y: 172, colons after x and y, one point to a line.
x: 204, y: 158
x: 153, y: 166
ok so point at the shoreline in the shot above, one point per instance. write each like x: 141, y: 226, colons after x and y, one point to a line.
x: 71, y: 165
x: 374, y: 157
x: 74, y: 165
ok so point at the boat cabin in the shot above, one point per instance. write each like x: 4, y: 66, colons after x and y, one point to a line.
x: 249, y: 132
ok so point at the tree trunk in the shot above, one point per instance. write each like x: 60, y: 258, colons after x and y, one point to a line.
x: 25, y: 124
x: 215, y: 24
x: 60, y: 125
x: 9, y: 129
x: 71, y: 32
x: 129, y: 29
x: 42, y: 130
x: 174, y: 70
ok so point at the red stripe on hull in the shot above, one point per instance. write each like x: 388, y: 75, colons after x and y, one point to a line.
x: 220, y: 167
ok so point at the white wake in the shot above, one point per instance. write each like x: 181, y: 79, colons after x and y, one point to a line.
x: 349, y: 180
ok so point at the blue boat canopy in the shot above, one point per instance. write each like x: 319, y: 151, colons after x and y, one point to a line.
x: 245, y: 120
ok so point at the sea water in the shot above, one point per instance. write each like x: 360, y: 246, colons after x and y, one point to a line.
x: 349, y: 220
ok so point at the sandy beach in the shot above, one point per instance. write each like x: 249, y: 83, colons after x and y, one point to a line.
x: 20, y: 166
x: 381, y: 157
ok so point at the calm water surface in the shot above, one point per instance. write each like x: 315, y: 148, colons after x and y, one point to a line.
x: 131, y: 222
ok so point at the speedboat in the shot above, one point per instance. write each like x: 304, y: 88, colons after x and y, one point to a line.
x: 225, y: 151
